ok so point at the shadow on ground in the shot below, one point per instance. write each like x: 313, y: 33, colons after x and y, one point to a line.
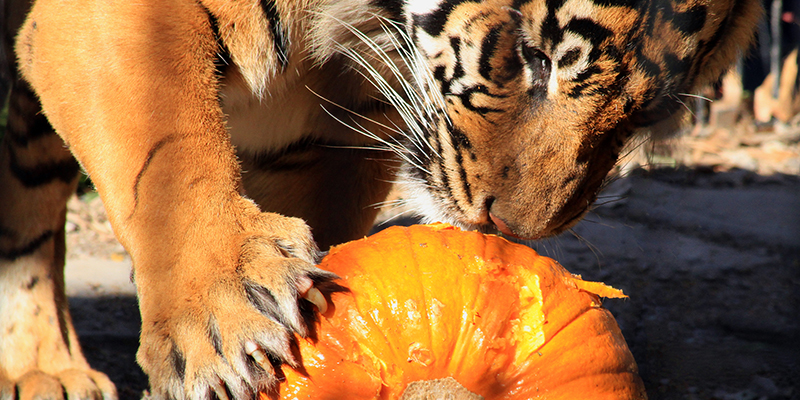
x: 711, y: 262
x: 108, y: 328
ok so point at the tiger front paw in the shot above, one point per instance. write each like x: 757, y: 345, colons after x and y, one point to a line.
x: 227, y: 333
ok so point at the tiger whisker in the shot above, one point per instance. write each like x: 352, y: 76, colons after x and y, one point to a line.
x: 414, y: 106
x: 396, y: 216
x: 402, y: 152
x: 397, y: 101
x: 398, y: 145
x: 696, y: 96
x: 609, y: 201
x: 594, y: 249
x: 684, y: 105
x: 388, y: 203
x: 394, y: 129
x: 422, y: 76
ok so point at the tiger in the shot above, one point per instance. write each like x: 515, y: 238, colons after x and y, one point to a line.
x: 230, y: 141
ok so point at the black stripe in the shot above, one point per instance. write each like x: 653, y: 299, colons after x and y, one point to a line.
x: 580, y: 89
x: 461, y: 144
x: 653, y: 16
x: 222, y: 60
x: 150, y: 154
x: 677, y: 67
x: 690, y: 21
x: 28, y: 248
x: 458, y: 69
x: 488, y: 47
x: 280, y: 38
x: 617, y: 55
x: 551, y: 28
x: 619, y: 69
x: 628, y: 107
x: 706, y: 48
x: 26, y: 122
x: 440, y: 71
x: 589, y: 29
x: 438, y: 74
x: 616, y: 3
x: 178, y: 362
x: 553, y: 5
x: 649, y: 67
x: 463, y: 175
x: 43, y: 173
x: 459, y: 139
x: 212, y: 330
x: 620, y: 73
x: 517, y: 4
x: 264, y: 301
x: 445, y: 189
x: 588, y: 73
x: 36, y: 127
x: 569, y: 58
x: 433, y: 22
x: 466, y: 99
x: 393, y: 8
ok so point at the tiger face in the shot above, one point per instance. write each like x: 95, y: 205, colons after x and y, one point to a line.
x: 529, y: 103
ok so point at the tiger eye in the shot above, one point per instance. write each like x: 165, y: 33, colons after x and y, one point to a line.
x: 538, y: 63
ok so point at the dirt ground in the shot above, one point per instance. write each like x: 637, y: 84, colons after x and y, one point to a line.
x: 705, y: 240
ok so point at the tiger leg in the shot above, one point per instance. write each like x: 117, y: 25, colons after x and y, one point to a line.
x: 133, y: 90
x: 40, y: 356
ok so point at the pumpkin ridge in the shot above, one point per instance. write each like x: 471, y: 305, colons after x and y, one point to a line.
x: 409, y: 235
x: 449, y: 353
x: 467, y: 329
x: 375, y: 326
x: 467, y: 280
x: 564, y: 326
x: 455, y: 358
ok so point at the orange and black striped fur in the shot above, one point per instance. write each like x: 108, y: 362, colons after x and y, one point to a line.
x: 221, y: 135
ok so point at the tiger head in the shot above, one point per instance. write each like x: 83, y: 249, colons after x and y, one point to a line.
x: 522, y: 108
x: 515, y: 111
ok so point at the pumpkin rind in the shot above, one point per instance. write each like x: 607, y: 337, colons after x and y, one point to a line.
x: 430, y: 302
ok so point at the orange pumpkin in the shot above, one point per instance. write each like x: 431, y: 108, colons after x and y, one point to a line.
x: 430, y: 302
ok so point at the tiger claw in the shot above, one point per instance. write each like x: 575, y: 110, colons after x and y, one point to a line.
x: 315, y: 297
x: 253, y: 350
x: 220, y: 391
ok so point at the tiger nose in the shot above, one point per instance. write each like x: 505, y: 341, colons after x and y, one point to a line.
x: 502, y: 226
x: 498, y: 222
